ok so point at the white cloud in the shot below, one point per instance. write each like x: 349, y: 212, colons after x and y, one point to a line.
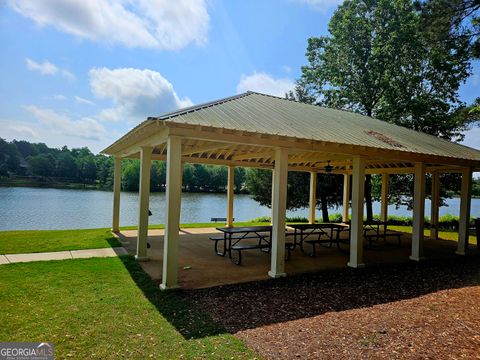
x: 45, y: 68
x: 84, y: 128
x: 161, y: 24
x: 265, y: 83
x: 59, y: 97
x: 18, y: 131
x: 67, y: 74
x: 320, y: 4
x: 135, y: 93
x: 81, y: 100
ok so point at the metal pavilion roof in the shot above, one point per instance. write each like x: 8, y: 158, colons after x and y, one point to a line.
x: 264, y: 114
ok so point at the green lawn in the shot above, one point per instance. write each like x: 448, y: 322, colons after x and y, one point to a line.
x: 31, y: 241
x: 197, y: 225
x: 106, y: 309
x: 446, y: 235
x: 28, y: 241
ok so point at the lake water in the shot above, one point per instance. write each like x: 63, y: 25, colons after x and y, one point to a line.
x: 37, y: 208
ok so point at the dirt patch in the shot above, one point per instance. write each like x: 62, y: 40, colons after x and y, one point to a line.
x: 428, y: 310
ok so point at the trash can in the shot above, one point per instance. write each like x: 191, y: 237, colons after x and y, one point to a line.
x: 477, y: 229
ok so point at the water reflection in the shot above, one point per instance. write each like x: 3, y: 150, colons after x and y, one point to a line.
x: 34, y: 208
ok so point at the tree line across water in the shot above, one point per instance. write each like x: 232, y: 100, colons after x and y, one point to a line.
x: 42, y: 164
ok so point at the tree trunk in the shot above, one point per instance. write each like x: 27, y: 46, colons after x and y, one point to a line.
x: 325, y: 217
x: 368, y: 196
x: 368, y: 183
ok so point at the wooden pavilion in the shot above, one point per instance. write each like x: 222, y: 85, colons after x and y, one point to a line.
x: 257, y: 130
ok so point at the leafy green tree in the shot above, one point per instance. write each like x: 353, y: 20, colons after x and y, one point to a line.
x: 105, y: 168
x: 9, y: 157
x: 239, y: 178
x: 66, y: 166
x: 380, y: 61
x: 87, y: 169
x: 41, y: 165
x: 259, y: 185
x: 188, y: 177
x: 157, y: 176
x: 130, y: 175
x: 461, y: 16
x: 476, y: 187
x: 218, y: 177
x: 25, y: 148
x: 202, y: 177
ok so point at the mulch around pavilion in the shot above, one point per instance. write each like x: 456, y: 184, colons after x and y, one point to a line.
x: 407, y: 311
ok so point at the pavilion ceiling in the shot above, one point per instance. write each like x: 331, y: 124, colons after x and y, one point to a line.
x: 223, y: 153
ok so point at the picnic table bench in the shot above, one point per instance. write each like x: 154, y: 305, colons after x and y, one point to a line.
x: 302, y: 232
x: 217, y: 219
x: 233, y: 236
x: 371, y: 231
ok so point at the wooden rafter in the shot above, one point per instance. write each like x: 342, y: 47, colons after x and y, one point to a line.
x: 253, y: 155
x: 207, y: 147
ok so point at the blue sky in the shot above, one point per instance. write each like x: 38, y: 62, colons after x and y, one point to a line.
x: 83, y: 72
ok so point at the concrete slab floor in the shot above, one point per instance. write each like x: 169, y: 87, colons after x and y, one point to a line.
x: 199, y: 266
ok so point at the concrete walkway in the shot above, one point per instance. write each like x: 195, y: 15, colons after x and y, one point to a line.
x: 62, y: 255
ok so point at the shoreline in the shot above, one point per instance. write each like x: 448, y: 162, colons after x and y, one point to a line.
x: 80, y: 186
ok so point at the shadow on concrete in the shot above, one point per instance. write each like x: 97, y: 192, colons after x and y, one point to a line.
x: 250, y: 305
x: 178, y: 309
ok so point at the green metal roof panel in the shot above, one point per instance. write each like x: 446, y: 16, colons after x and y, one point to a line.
x: 261, y: 113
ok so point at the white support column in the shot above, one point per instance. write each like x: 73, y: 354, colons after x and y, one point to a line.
x: 356, y: 226
x: 313, y: 197
x: 435, y: 205
x: 279, y: 208
x: 418, y: 212
x: 144, y: 197
x: 384, y: 198
x: 346, y: 197
x: 230, y: 194
x: 465, y: 203
x: 172, y: 219
x: 117, y: 184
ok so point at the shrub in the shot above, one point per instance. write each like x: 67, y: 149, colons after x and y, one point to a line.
x: 262, y: 219
x: 297, y: 219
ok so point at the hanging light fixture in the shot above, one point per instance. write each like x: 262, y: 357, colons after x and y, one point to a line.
x: 328, y: 168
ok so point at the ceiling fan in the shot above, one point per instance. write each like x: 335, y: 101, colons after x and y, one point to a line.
x: 328, y: 168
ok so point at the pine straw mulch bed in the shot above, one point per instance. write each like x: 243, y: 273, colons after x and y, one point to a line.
x: 429, y: 310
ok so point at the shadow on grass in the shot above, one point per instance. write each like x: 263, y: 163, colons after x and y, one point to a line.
x: 113, y: 241
x: 174, y: 306
x: 250, y: 305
